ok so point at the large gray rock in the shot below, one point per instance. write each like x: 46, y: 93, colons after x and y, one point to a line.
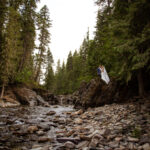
x: 27, y: 96
x: 95, y: 93
x: 8, y: 102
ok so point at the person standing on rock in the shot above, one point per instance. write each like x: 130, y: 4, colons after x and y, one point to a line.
x: 101, y: 71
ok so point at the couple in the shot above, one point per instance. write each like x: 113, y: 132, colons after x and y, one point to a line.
x: 101, y: 71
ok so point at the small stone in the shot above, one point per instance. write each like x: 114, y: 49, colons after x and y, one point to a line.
x: 40, y: 133
x: 44, y: 139
x: 32, y: 129
x: 78, y: 121
x: 131, y: 139
x: 146, y: 146
x: 118, y: 139
x: 105, y: 132
x: 84, y: 137
x: 114, y: 144
x: 94, y: 141
x: 79, y: 112
x: 99, y: 113
x: 82, y: 144
x: 61, y: 121
x: 69, y: 144
x: 131, y: 146
x: 44, y: 127
x: 51, y: 113
x: 70, y: 133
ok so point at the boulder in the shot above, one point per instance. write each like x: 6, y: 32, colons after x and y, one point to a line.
x: 27, y: 96
x: 98, y: 93
x: 48, y: 96
x: 8, y: 102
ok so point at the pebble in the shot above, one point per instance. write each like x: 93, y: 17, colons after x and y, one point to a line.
x: 131, y: 139
x: 78, y: 121
x: 51, y: 113
x: 32, y: 129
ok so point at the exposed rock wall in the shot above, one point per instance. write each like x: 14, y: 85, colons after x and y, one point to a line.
x: 20, y: 95
x: 97, y: 93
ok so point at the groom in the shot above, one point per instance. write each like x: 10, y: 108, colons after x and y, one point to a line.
x: 100, y: 69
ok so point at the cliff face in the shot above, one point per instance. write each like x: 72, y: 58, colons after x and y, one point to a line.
x: 97, y: 93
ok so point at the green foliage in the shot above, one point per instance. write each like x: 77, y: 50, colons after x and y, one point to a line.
x: 11, y: 47
x: 43, y: 24
x: 136, y: 132
x: 121, y: 43
x: 17, y: 36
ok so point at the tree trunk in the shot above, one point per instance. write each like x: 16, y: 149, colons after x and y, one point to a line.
x: 140, y: 83
x: 108, y: 4
x: 38, y: 72
x: 3, y: 89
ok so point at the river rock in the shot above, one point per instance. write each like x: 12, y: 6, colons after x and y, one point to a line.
x: 82, y: 145
x: 27, y: 96
x: 146, y: 146
x: 32, y: 129
x: 8, y: 102
x: 78, y: 121
x: 44, y: 139
x: 79, y: 112
x: 44, y: 127
x: 113, y: 144
x: 40, y: 132
x: 94, y: 142
x: 69, y: 145
x: 131, y: 139
x: 51, y: 113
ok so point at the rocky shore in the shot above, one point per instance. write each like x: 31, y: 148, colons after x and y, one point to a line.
x: 110, y: 127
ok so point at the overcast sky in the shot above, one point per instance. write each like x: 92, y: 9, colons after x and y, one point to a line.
x: 70, y: 22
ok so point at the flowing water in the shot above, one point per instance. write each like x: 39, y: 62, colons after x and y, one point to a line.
x: 23, y: 127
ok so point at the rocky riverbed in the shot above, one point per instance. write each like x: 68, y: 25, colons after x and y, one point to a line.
x: 110, y: 127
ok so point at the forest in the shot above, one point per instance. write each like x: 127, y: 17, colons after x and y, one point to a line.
x: 69, y: 107
x: 121, y: 43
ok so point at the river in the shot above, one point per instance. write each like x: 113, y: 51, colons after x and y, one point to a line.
x: 31, y: 127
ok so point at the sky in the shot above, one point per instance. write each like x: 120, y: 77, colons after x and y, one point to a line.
x: 70, y: 22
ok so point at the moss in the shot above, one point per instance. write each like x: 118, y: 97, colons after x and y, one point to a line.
x: 136, y: 132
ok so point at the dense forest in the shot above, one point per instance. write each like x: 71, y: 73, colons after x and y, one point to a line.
x: 21, y: 60
x: 121, y: 43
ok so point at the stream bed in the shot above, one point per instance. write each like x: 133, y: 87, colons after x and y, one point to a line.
x: 110, y: 127
x: 24, y: 128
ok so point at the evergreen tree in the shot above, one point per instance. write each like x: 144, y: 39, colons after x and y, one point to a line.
x: 11, y: 48
x: 3, y: 11
x: 28, y: 34
x: 49, y: 75
x: 43, y: 23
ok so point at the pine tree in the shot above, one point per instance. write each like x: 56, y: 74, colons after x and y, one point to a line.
x: 27, y: 10
x: 11, y: 48
x: 3, y: 11
x: 49, y: 75
x: 43, y: 23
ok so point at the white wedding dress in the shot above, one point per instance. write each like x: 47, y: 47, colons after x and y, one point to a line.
x: 104, y: 76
